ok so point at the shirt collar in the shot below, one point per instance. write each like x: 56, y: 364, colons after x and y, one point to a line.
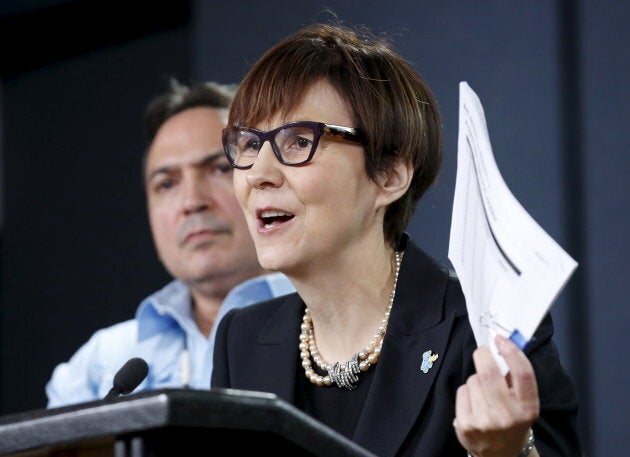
x: 168, y: 307
x: 171, y: 306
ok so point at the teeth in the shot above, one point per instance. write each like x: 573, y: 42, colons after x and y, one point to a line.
x: 273, y: 213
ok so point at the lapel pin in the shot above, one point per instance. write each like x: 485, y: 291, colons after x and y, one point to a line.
x: 427, y: 360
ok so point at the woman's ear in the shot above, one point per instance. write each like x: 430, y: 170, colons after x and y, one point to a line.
x: 395, y: 182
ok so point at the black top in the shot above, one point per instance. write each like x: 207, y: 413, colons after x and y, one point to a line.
x: 324, y: 403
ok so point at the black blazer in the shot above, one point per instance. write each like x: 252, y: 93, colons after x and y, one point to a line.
x: 407, y: 412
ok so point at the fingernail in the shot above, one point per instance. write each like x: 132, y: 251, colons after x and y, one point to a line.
x: 501, y: 340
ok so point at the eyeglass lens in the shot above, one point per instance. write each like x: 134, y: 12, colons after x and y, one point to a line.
x: 292, y: 143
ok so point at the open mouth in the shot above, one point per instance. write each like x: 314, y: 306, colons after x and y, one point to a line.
x: 272, y: 218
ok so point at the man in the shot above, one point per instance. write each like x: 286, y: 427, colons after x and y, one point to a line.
x: 202, y: 239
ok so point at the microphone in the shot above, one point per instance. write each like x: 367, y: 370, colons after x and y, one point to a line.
x: 128, y: 377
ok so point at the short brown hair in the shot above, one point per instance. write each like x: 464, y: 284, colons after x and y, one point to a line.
x: 389, y: 100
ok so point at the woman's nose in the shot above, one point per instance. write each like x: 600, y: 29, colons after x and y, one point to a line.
x: 266, y: 168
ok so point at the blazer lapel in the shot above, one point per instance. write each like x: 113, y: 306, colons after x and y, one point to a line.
x: 400, y: 388
x: 277, y: 348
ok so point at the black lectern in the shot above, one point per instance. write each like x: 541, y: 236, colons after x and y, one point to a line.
x: 173, y: 422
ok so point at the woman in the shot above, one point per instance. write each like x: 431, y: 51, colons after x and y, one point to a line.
x: 334, y: 138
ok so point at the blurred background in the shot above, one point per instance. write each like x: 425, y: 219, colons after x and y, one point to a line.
x: 76, y: 252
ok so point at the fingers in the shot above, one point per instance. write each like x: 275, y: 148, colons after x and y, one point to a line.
x: 489, y: 393
x: 463, y: 423
x: 463, y: 406
x: 515, y: 399
x: 493, y: 414
x: 523, y: 379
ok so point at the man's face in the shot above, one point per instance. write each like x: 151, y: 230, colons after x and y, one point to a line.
x: 198, y: 227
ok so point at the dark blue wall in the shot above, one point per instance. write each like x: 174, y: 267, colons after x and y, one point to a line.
x: 76, y: 252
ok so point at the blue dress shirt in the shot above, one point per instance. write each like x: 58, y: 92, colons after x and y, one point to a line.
x: 163, y: 333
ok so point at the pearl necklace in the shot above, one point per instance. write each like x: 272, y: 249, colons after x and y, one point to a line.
x: 346, y: 374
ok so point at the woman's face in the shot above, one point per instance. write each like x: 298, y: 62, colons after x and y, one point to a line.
x: 305, y: 216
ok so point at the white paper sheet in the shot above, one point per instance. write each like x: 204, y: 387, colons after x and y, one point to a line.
x: 510, y: 269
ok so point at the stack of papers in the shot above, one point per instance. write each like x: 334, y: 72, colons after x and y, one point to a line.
x: 510, y: 269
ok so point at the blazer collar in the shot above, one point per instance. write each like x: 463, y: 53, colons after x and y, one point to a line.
x: 417, y: 324
x: 280, y: 337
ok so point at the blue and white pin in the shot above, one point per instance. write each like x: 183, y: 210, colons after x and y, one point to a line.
x: 427, y: 360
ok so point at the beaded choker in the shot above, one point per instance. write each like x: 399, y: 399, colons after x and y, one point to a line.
x: 344, y: 375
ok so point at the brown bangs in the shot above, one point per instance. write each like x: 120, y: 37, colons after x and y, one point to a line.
x: 276, y: 84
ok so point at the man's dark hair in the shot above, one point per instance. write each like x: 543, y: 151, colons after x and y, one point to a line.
x: 180, y: 97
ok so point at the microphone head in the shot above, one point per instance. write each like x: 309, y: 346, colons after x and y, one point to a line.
x: 130, y: 375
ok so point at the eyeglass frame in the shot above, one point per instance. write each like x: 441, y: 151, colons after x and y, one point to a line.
x: 351, y: 134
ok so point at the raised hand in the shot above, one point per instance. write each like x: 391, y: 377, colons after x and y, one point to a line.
x: 494, y: 413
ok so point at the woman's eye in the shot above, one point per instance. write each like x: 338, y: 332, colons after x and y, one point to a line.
x: 248, y: 144
x: 253, y: 144
x: 303, y: 142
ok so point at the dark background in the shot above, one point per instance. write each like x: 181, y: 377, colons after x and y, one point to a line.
x: 76, y: 252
